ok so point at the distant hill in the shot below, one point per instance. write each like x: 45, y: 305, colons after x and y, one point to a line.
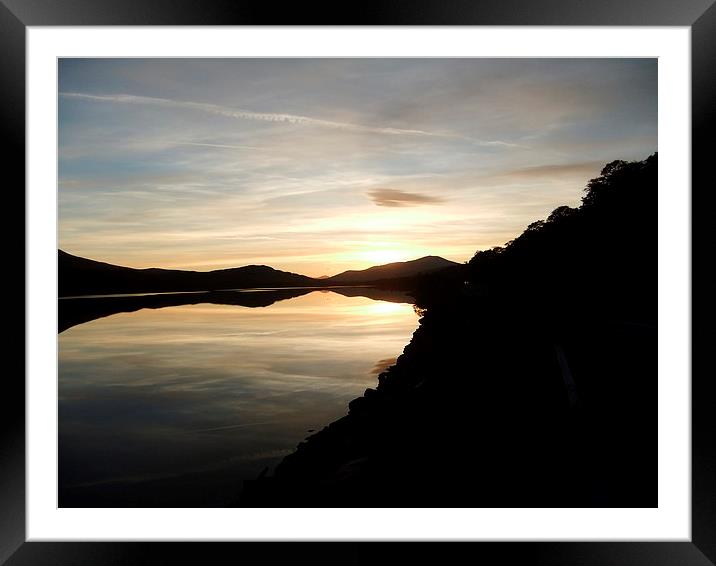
x: 396, y: 270
x: 81, y: 276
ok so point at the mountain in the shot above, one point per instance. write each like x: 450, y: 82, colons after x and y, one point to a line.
x: 81, y: 276
x: 395, y: 270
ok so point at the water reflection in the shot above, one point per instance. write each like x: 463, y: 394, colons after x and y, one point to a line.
x: 174, y: 406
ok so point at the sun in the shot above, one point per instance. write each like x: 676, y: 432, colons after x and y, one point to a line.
x: 380, y: 256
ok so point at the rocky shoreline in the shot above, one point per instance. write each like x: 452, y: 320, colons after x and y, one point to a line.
x: 434, y: 433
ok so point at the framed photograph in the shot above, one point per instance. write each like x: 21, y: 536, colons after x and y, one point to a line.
x: 421, y: 275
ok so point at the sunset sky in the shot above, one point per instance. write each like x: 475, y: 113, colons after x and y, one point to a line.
x: 321, y: 165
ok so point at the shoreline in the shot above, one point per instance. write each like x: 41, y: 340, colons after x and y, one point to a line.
x: 512, y: 433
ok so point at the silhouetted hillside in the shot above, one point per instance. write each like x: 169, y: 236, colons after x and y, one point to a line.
x: 395, y: 270
x: 600, y: 256
x: 531, y: 381
x: 80, y: 276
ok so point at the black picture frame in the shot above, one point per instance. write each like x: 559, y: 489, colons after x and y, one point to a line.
x: 16, y: 15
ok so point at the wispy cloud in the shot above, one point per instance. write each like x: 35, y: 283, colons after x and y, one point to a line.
x: 547, y: 172
x: 220, y: 145
x: 249, y: 115
x: 398, y: 198
x: 557, y: 170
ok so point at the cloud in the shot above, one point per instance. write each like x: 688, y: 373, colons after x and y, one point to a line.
x: 249, y: 115
x: 542, y: 171
x: 382, y: 365
x: 397, y: 198
x: 220, y: 145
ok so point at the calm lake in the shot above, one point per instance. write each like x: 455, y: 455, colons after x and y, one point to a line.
x: 175, y: 406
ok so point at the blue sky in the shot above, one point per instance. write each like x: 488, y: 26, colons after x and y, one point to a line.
x: 321, y: 165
